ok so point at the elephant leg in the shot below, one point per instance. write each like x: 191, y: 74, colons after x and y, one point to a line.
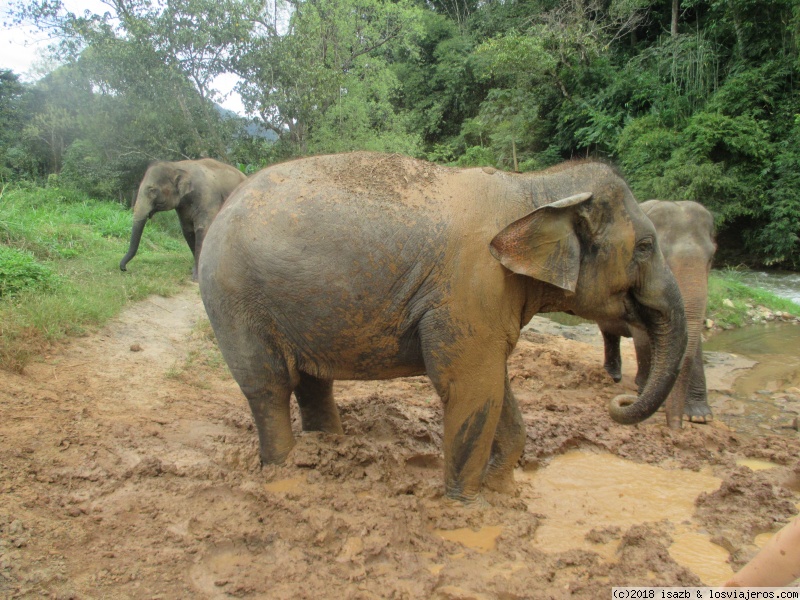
x: 641, y: 342
x: 317, y: 407
x: 508, y: 445
x: 264, y: 377
x: 613, y: 359
x: 697, y: 408
x: 191, y: 239
x: 470, y: 381
x: 199, y: 236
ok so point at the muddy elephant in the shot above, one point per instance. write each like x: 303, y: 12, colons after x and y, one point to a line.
x: 370, y: 266
x: 195, y: 189
x: 686, y: 234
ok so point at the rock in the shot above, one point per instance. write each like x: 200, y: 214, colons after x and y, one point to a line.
x: 136, y: 348
x: 727, y: 303
x: 709, y: 324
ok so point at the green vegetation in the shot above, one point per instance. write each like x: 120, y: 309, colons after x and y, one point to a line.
x: 741, y: 299
x: 693, y: 99
x: 59, y: 252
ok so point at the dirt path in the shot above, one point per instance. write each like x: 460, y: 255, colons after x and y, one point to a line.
x: 129, y: 469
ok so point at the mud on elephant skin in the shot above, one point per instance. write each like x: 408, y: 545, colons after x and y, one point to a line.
x: 371, y: 266
x: 686, y: 233
x: 195, y: 189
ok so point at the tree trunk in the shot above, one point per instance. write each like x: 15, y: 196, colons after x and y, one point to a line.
x: 676, y: 7
x: 514, y: 154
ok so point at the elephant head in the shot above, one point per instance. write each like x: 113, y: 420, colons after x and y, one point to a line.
x: 162, y: 188
x: 600, y: 253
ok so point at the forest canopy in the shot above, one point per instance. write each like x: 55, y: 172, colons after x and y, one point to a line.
x: 691, y: 99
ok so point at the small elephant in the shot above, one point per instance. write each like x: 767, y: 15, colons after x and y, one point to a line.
x: 686, y: 233
x: 370, y: 266
x: 195, y: 189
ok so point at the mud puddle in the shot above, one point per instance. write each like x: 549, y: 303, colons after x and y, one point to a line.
x: 584, y: 494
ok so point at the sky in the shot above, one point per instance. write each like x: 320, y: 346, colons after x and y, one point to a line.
x: 21, y: 48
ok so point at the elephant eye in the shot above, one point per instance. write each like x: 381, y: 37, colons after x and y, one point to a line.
x: 644, y: 248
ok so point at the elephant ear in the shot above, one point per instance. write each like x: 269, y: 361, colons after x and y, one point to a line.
x: 183, y: 183
x: 543, y: 244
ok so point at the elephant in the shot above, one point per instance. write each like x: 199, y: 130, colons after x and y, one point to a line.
x: 686, y: 233
x: 196, y: 189
x: 368, y: 266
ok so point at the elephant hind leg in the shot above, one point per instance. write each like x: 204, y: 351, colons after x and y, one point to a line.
x: 265, y: 377
x: 317, y: 407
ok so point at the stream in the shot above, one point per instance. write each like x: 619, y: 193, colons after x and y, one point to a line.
x: 766, y: 396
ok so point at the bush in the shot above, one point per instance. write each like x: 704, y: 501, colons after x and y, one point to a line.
x: 86, y: 169
x: 477, y: 156
x: 19, y: 270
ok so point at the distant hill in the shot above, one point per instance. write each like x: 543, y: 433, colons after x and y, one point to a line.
x: 252, y: 127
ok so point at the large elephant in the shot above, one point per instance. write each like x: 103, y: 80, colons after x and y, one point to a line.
x: 195, y: 189
x: 371, y: 266
x: 686, y: 234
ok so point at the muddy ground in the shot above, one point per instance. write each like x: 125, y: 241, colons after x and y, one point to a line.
x: 129, y: 469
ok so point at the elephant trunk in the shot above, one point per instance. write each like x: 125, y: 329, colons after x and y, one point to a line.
x: 136, y: 237
x: 666, y: 329
x: 695, y: 298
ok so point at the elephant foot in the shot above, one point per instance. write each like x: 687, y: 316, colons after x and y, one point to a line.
x: 698, y: 412
x: 478, y: 502
x: 274, y: 458
x: 501, y: 481
x: 614, y: 371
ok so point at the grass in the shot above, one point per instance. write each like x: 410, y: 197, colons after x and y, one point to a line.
x: 725, y: 285
x: 62, y: 250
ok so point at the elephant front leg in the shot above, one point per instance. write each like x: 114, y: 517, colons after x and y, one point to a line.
x: 508, y: 445
x: 471, y: 387
x: 187, y: 228
x: 697, y: 408
x: 613, y: 359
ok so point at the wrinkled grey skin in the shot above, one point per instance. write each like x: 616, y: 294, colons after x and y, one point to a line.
x: 686, y: 233
x: 195, y: 189
x: 370, y: 266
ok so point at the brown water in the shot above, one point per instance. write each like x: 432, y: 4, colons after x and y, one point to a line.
x: 581, y: 491
x: 482, y: 540
x: 768, y: 395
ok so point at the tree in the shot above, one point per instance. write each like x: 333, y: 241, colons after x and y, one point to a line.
x: 329, y: 54
x: 13, y: 159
